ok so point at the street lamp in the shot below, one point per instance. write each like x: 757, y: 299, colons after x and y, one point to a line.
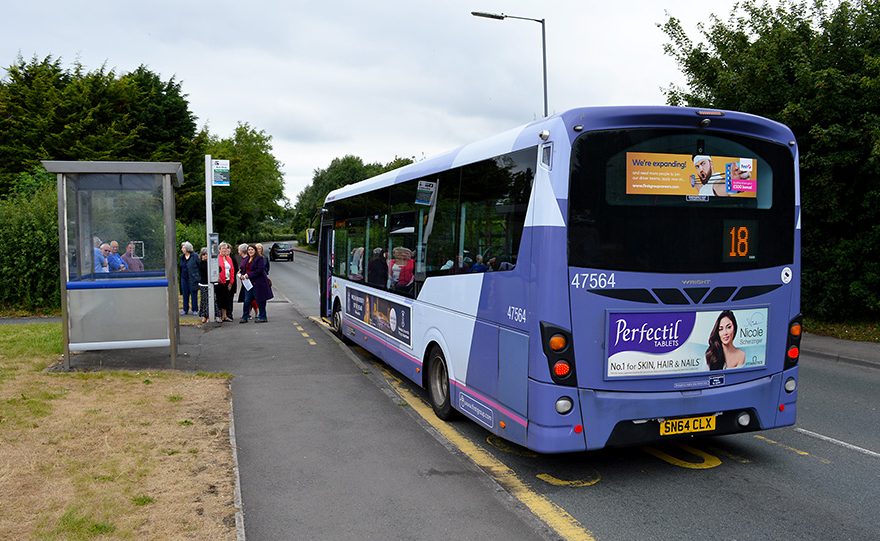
x: 501, y: 17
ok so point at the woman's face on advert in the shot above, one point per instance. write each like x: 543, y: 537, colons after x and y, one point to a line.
x: 725, y: 330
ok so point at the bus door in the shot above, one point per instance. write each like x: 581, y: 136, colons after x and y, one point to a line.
x: 325, y: 269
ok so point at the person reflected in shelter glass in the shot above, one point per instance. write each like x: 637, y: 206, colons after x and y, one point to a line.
x: 133, y: 262
x: 114, y: 260
x: 189, y: 278
x: 101, y: 253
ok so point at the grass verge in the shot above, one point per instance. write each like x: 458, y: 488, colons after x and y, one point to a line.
x: 862, y: 331
x: 109, y: 455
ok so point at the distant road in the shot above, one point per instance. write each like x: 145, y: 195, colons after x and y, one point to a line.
x: 296, y: 281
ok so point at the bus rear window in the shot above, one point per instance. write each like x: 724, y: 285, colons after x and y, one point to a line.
x: 680, y: 201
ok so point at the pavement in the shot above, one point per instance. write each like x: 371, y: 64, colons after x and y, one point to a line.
x: 325, y: 448
x: 847, y: 351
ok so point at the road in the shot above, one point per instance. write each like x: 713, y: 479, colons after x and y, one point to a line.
x: 818, y: 480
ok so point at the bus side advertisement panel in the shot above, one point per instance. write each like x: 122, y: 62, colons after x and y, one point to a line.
x: 644, y: 344
x: 385, y: 316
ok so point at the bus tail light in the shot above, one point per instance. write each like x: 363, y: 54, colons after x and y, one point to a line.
x: 793, y: 346
x: 561, y: 369
x: 559, y: 349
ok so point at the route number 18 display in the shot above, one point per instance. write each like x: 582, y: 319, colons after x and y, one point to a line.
x: 740, y: 241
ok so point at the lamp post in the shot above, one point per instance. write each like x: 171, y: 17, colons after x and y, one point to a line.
x: 501, y: 17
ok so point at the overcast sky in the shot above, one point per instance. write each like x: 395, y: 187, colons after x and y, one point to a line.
x: 376, y: 79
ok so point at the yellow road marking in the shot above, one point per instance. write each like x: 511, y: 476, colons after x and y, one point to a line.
x: 709, y: 461
x: 557, y: 518
x: 319, y: 321
x: 574, y: 483
x: 305, y: 334
x: 728, y: 454
x: 312, y: 342
x: 792, y: 449
x: 506, y: 447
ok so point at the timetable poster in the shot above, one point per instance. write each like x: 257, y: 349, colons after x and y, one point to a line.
x: 388, y: 317
x: 650, y: 173
x: 682, y: 343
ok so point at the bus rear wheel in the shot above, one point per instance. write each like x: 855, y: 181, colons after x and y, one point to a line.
x: 438, y: 385
x: 336, y: 324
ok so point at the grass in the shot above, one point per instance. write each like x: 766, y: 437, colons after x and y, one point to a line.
x: 109, y: 455
x: 17, y: 312
x: 862, y: 331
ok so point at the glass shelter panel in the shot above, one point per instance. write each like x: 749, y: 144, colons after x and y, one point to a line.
x: 115, y: 227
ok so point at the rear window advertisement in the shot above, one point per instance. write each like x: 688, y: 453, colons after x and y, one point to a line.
x: 697, y: 177
x: 681, y: 343
x: 389, y: 318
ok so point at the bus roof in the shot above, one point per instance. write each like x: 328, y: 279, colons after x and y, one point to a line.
x: 591, y: 118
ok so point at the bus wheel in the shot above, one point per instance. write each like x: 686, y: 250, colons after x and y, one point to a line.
x: 337, y: 321
x: 438, y: 385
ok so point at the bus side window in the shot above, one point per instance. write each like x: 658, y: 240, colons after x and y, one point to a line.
x: 441, y: 239
x: 494, y: 199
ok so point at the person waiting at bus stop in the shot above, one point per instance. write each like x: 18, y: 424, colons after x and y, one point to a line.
x: 189, y: 278
x: 253, y: 268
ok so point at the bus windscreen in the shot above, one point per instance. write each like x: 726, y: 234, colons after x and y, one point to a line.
x: 655, y: 200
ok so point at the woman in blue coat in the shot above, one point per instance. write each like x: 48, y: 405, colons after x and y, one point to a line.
x: 254, y: 269
x: 189, y: 278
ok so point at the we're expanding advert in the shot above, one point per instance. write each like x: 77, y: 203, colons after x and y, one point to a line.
x: 699, y: 175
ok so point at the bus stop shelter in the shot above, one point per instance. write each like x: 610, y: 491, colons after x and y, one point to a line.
x: 118, y: 300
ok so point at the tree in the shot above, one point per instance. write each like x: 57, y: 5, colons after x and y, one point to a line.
x: 341, y: 172
x: 47, y: 112
x: 256, y: 191
x: 815, y: 68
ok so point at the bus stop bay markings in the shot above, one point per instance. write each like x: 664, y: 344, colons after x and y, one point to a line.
x: 555, y: 517
x: 304, y: 334
x: 551, y: 514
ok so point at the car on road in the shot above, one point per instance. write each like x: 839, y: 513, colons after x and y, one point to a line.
x: 281, y: 250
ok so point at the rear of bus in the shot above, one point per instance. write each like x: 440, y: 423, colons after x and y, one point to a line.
x: 683, y: 276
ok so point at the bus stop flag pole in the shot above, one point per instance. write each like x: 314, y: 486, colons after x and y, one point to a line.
x: 216, y: 174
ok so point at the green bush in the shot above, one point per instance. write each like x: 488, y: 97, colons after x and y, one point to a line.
x: 30, y: 277
x: 195, y: 233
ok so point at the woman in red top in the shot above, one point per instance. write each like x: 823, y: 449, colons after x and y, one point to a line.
x: 225, y: 288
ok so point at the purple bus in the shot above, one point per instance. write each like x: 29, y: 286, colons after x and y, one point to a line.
x: 602, y: 277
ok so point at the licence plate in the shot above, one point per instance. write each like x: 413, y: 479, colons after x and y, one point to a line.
x: 671, y: 427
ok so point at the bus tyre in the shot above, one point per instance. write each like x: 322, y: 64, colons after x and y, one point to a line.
x: 438, y: 385
x: 336, y: 323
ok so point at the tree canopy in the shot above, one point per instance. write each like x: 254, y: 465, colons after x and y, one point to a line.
x: 47, y: 112
x: 341, y: 172
x: 816, y: 68
x: 256, y: 190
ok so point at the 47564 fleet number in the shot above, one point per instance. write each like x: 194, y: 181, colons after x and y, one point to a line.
x: 593, y: 280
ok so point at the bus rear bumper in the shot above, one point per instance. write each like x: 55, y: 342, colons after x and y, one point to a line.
x: 613, y: 418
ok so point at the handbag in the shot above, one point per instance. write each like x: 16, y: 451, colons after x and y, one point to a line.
x: 269, y: 280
